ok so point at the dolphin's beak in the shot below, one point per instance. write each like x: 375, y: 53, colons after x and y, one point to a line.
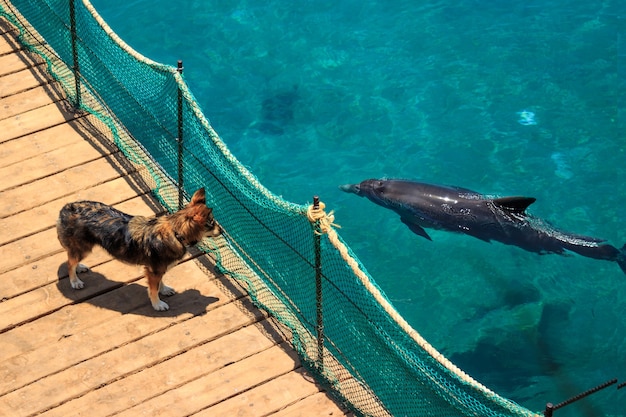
x: 351, y: 188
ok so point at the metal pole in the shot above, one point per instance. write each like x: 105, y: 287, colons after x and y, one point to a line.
x: 76, y: 68
x: 318, y: 290
x: 181, y: 184
x: 549, y: 410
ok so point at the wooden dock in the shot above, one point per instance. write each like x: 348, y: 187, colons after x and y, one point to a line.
x: 103, y: 350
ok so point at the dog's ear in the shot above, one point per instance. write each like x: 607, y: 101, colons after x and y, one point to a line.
x: 198, y: 197
x: 200, y: 215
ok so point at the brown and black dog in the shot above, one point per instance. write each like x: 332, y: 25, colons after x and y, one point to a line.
x: 157, y: 243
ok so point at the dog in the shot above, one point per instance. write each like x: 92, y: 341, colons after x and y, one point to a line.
x: 156, y: 243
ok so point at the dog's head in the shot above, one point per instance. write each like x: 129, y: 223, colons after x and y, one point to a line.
x: 199, y: 219
x: 204, y: 214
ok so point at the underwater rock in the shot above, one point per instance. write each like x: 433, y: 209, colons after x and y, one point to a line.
x: 268, y: 128
x: 277, y: 111
x: 512, y: 359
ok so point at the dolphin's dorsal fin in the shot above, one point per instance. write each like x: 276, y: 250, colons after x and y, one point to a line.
x: 515, y: 204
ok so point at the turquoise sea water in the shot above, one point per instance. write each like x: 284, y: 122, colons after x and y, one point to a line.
x: 311, y: 95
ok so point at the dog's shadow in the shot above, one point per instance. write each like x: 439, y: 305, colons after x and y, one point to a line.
x: 131, y: 297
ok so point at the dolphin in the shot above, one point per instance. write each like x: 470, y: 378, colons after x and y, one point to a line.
x: 465, y: 211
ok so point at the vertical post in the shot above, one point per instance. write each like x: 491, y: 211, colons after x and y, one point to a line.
x: 76, y: 67
x: 181, y: 184
x: 318, y: 290
x: 549, y: 410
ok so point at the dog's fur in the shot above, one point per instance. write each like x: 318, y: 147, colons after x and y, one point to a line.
x: 157, y: 243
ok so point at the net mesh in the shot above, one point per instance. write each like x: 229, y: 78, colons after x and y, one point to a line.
x: 300, y: 272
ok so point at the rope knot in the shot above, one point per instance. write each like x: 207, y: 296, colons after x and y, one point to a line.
x: 316, y: 214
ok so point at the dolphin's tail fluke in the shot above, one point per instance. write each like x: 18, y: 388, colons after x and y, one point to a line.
x: 621, y: 258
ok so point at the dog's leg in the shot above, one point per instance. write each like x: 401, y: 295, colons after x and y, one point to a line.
x: 154, y: 284
x: 72, y: 266
x: 165, y: 290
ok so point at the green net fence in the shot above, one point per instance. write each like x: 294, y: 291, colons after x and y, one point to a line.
x: 293, y: 265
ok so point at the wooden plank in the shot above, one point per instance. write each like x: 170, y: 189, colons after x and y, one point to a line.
x: 219, y: 385
x: 5, y: 27
x: 7, y: 39
x: 44, y: 217
x: 319, y: 404
x: 37, y: 274
x: 89, y: 375
x: 49, y: 163
x: 8, y: 31
x: 248, y: 351
x: 12, y: 62
x: 62, y: 184
x: 58, y: 294
x: 24, y: 101
x: 34, y: 120
x: 264, y: 399
x: 31, y: 248
x: 31, y: 145
x: 20, y: 81
x: 91, y: 341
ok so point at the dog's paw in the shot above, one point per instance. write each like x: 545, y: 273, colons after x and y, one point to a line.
x: 77, y: 284
x: 167, y: 291
x: 82, y: 268
x: 160, y: 306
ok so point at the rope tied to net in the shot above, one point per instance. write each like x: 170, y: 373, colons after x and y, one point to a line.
x: 315, y: 213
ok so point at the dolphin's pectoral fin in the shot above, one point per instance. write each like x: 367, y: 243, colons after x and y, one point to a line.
x: 415, y: 228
